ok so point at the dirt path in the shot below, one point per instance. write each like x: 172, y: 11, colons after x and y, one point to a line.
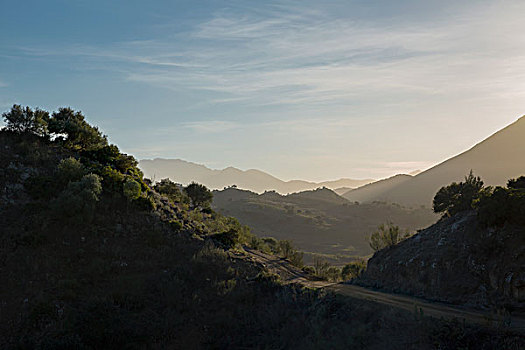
x: 292, y: 274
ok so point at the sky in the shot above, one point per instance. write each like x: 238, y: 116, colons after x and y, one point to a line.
x: 312, y: 90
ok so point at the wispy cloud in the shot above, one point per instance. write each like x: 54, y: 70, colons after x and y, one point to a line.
x: 211, y: 126
x: 289, y: 55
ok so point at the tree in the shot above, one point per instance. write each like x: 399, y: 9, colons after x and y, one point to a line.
x: 458, y: 197
x: 199, y: 194
x: 22, y: 120
x: 171, y: 190
x: 386, y: 236
x: 71, y: 127
x: 517, y: 184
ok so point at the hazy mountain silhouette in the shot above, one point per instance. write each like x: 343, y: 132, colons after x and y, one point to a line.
x: 496, y: 159
x: 254, y: 180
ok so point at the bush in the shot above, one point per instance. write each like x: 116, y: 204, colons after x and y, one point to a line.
x: 228, y: 239
x: 386, y: 236
x: 79, y: 198
x: 171, y: 190
x: 145, y: 203
x: 131, y: 189
x: 70, y: 169
x: 353, y: 270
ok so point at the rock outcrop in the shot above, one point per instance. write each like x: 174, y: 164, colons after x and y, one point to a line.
x: 457, y: 261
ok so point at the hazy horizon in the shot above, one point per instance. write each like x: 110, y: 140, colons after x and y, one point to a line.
x: 299, y: 90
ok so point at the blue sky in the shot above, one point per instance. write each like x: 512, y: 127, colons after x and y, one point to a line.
x: 301, y: 89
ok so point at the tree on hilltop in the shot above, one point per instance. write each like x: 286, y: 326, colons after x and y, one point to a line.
x: 199, y: 194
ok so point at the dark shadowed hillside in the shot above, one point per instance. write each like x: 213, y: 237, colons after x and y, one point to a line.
x: 496, y: 159
x: 254, y: 180
x: 317, y: 221
x: 456, y: 260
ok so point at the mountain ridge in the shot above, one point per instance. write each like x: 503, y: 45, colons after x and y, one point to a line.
x: 183, y: 171
x: 495, y: 159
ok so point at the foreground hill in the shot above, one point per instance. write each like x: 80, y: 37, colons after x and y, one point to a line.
x: 317, y: 221
x: 495, y: 160
x: 457, y: 260
x: 254, y: 180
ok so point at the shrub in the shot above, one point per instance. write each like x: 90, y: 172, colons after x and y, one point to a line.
x: 79, y: 198
x: 386, y: 236
x: 70, y: 169
x: 353, y: 270
x: 171, y: 190
x: 144, y: 203
x: 131, y: 189
x: 228, y: 239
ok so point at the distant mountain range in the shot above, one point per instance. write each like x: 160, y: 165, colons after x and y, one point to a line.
x: 254, y: 180
x: 496, y: 159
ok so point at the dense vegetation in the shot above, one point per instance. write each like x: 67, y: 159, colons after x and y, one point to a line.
x: 495, y: 206
x: 94, y: 256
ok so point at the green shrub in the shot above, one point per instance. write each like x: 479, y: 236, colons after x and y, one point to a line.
x: 171, y: 190
x: 144, y: 203
x: 131, y: 189
x: 79, y: 198
x: 70, y: 169
x: 228, y: 239
x: 386, y: 236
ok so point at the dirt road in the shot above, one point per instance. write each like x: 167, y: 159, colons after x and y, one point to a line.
x: 292, y: 274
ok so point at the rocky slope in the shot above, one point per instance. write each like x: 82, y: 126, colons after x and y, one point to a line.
x: 457, y: 261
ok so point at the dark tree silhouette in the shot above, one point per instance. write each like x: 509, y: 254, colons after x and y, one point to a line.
x: 458, y: 197
x: 199, y: 194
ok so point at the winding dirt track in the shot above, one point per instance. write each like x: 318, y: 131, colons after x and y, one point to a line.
x: 291, y: 274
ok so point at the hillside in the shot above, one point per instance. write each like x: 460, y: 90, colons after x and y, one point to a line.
x: 254, y: 180
x: 91, y: 260
x: 375, y: 189
x: 458, y: 261
x: 317, y: 221
x: 495, y: 160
